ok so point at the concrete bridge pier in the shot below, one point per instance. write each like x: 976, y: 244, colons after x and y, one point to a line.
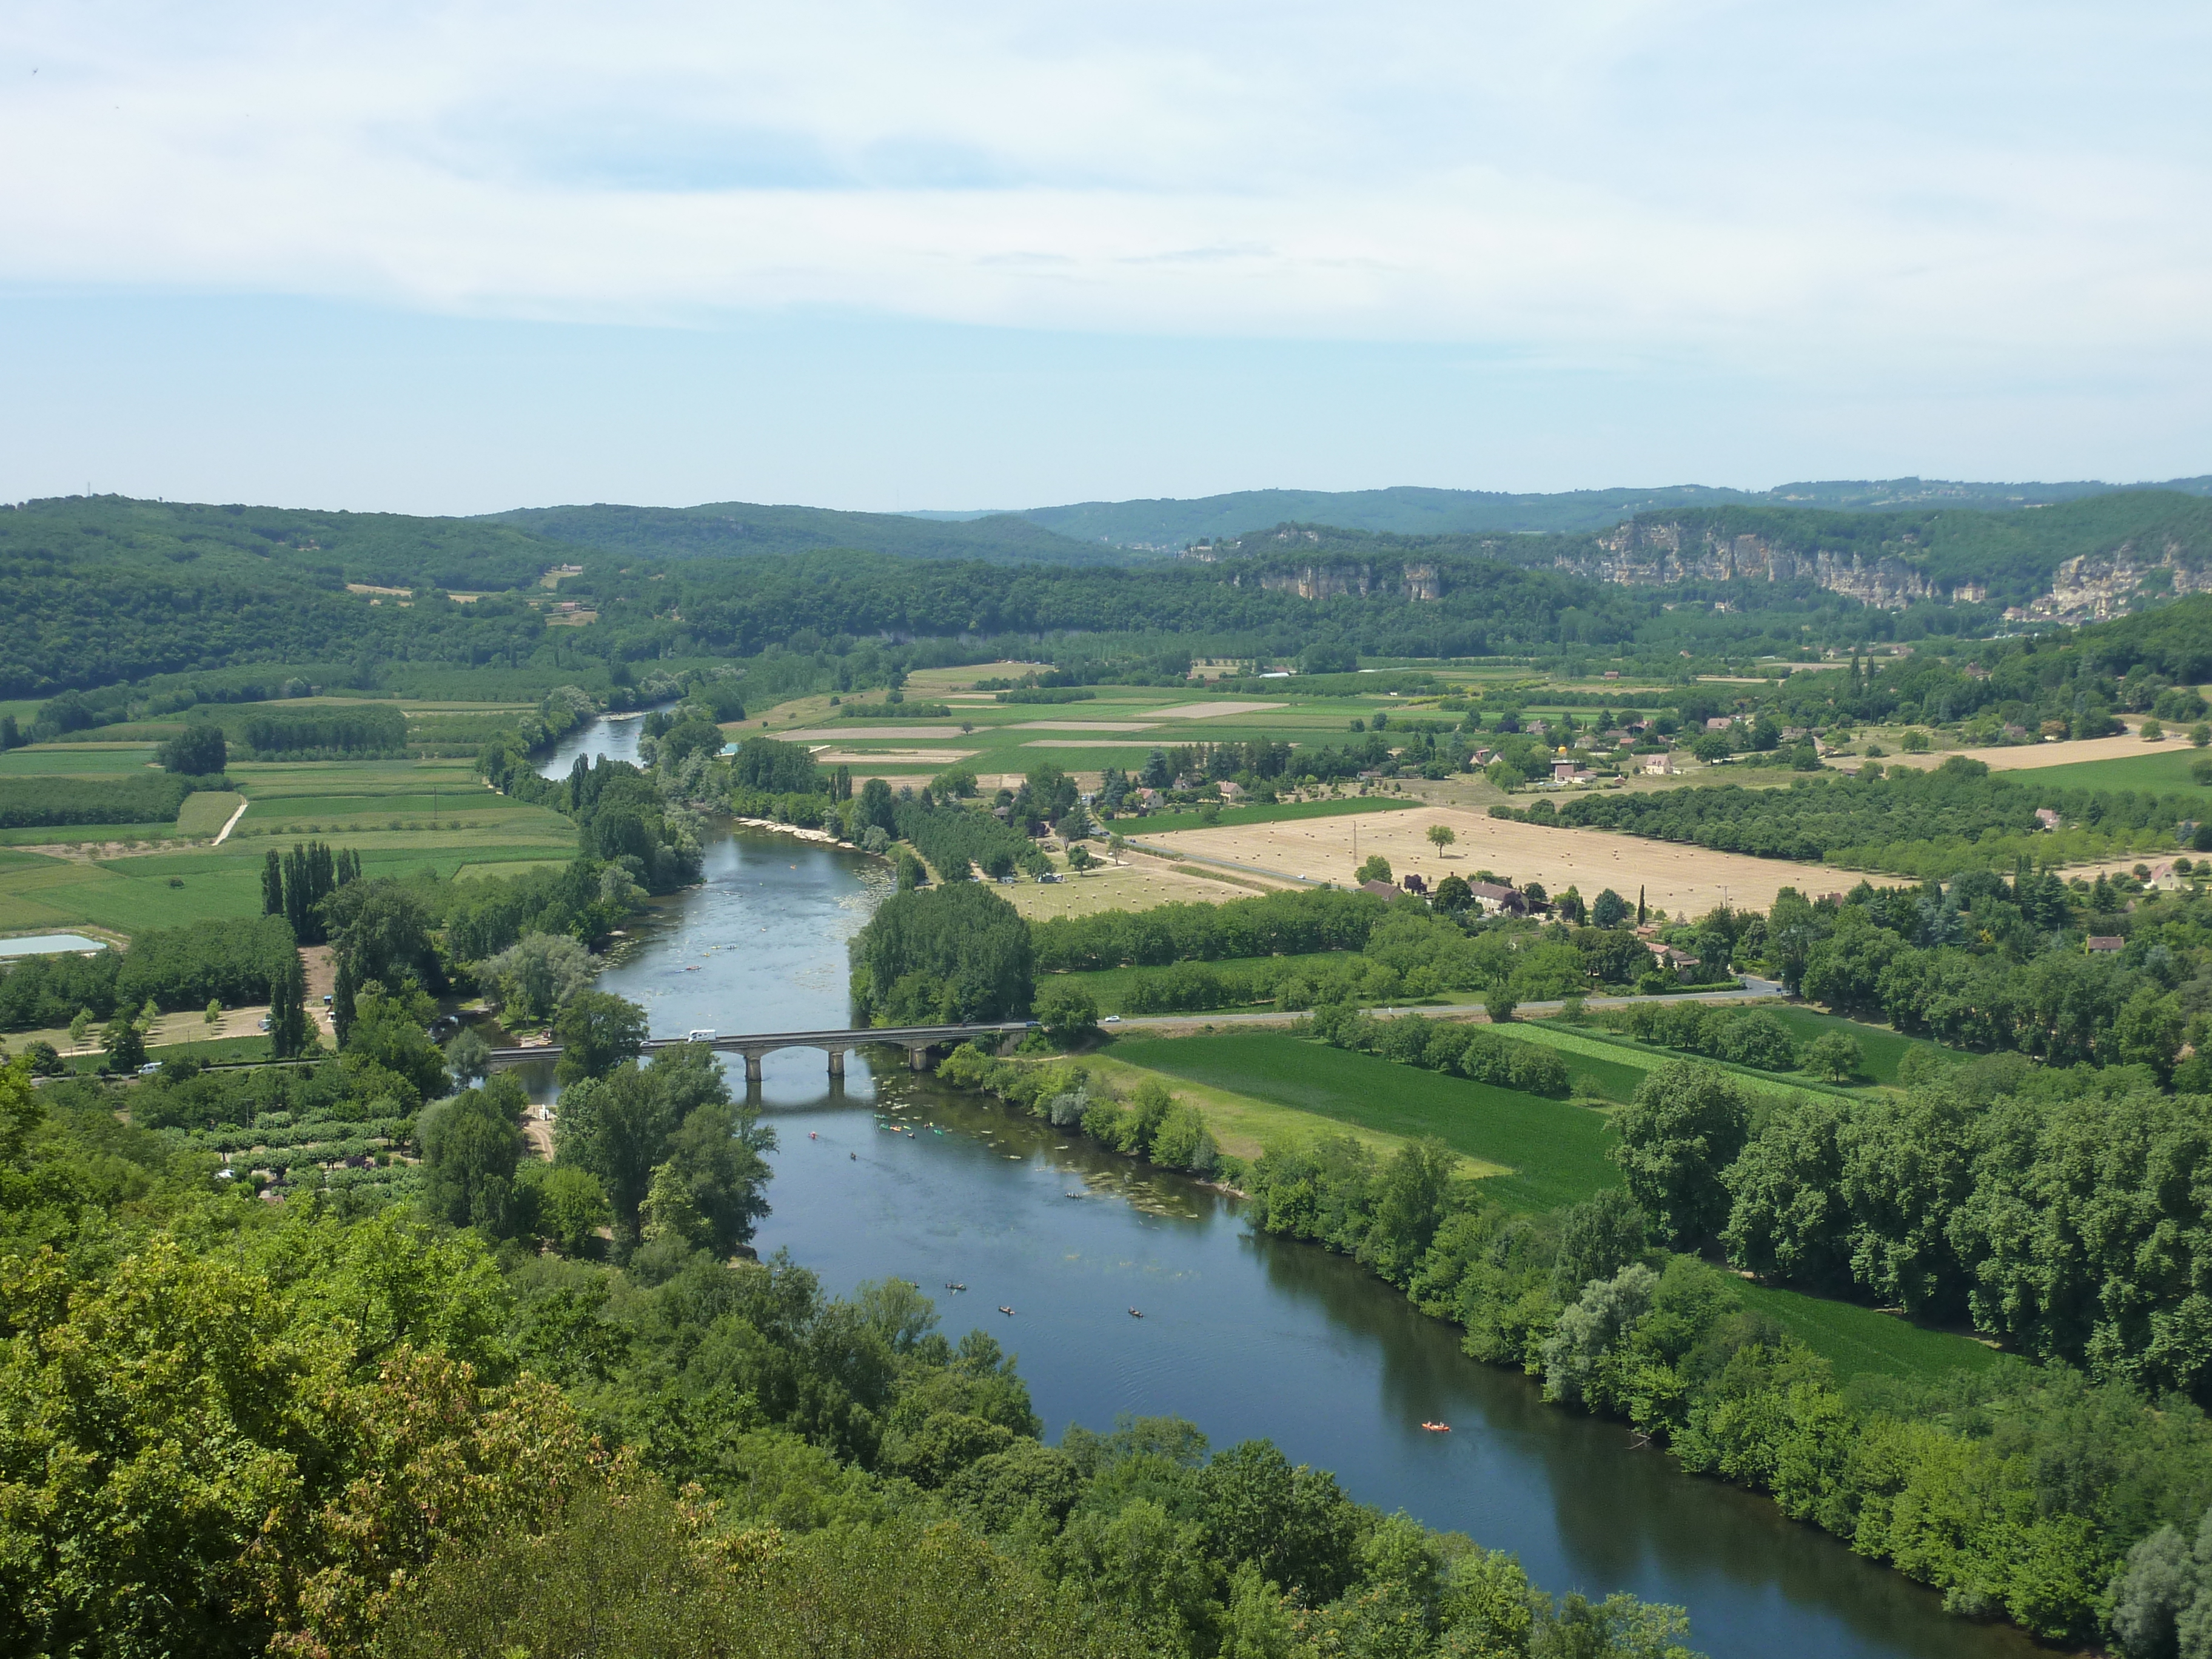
x: 917, y: 1057
x: 837, y: 1063
x: 752, y: 1065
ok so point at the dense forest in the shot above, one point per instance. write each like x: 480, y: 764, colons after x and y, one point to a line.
x: 109, y: 592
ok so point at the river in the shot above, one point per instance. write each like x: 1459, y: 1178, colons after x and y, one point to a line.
x: 1243, y: 1335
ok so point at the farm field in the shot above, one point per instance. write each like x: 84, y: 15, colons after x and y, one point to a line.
x: 1676, y: 878
x: 1117, y: 726
x: 1554, y: 1153
x: 1884, y: 1049
x: 1243, y: 1124
x: 382, y: 809
x: 1136, y: 884
x: 2027, y: 756
x: 78, y: 759
x: 2157, y: 767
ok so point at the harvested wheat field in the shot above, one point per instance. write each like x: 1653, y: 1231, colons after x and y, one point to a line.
x: 1674, y: 877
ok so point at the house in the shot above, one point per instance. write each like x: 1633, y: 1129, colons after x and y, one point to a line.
x: 1679, y: 963
x: 2047, y: 816
x: 1149, y: 799
x: 1496, y: 898
x: 1567, y: 772
x: 1380, y: 889
x: 1231, y: 793
x: 1484, y: 757
x: 1661, y: 765
x: 1612, y: 673
x: 1719, y: 722
x: 2104, y: 943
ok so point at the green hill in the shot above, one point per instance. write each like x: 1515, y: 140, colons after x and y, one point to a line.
x: 1168, y: 523
x: 741, y: 529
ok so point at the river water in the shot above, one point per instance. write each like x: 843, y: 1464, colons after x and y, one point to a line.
x: 1243, y: 1335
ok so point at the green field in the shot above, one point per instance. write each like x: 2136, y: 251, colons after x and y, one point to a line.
x: 1160, y: 823
x: 1884, y: 1048
x: 1593, y: 1045
x: 80, y: 762
x: 1556, y: 1152
x: 2164, y: 769
x: 1859, y: 1340
x: 350, y: 804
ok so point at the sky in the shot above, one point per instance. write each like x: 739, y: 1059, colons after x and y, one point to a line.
x: 457, y: 257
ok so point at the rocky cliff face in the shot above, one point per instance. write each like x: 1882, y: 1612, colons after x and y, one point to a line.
x: 1667, y: 552
x: 1329, y: 582
x: 2098, y: 586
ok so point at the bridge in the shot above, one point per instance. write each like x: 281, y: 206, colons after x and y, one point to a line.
x: 916, y: 1040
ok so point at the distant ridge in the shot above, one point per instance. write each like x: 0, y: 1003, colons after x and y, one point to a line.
x: 1168, y: 524
x: 742, y: 529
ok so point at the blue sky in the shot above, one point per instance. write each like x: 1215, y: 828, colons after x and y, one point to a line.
x: 441, y: 257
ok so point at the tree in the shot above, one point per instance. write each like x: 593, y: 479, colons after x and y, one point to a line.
x: 289, y: 1031
x: 43, y: 1058
x: 1453, y: 895
x: 1079, y: 858
x: 625, y: 1125
x: 125, y: 1045
x: 1441, y: 836
x: 596, y: 1031
x: 343, y: 996
x: 949, y: 953
x: 213, y: 1012
x: 468, y: 1056
x: 80, y: 1027
x: 567, y: 1205
x: 388, y: 1051
x: 1640, y: 912
x: 1684, y: 1127
x: 1294, y: 1525
x: 878, y: 806
x: 470, y: 1148
x: 197, y: 751
x: 273, y: 883
x: 1499, y: 1003
x: 1597, y: 1238
x: 1835, y: 1056
x: 1608, y: 909
x: 1376, y: 868
x: 539, y: 974
x: 1066, y: 1010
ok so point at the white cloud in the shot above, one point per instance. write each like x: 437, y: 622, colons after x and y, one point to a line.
x: 1783, y: 188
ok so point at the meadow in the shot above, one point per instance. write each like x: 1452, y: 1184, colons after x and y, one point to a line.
x: 1552, y: 1153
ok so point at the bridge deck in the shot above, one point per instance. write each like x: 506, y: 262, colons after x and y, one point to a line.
x: 755, y: 1043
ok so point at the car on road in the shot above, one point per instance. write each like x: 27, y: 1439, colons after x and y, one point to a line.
x: 1111, y: 1019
